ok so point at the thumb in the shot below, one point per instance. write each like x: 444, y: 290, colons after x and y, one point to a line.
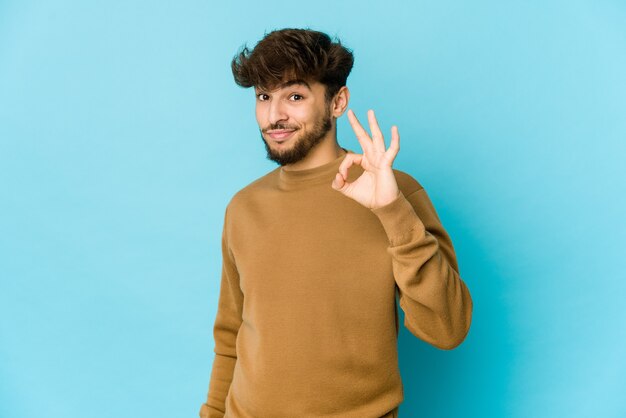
x: 338, y: 183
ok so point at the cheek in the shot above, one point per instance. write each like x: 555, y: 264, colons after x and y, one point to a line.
x: 305, y: 115
x: 259, y: 116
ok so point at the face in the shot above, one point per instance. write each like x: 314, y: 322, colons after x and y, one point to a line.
x: 293, y: 119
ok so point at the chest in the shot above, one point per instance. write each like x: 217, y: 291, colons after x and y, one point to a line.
x: 310, y: 245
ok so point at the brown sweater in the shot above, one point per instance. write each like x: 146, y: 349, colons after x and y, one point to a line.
x: 307, y: 321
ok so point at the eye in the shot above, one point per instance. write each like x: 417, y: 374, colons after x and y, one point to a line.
x: 296, y: 97
x: 262, y: 97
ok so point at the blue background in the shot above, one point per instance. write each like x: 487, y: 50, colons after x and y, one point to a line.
x: 123, y: 137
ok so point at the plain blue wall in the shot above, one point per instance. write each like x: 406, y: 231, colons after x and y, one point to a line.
x: 123, y: 136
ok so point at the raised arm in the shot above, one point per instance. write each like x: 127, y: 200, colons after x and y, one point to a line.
x: 227, y: 323
x: 436, y: 302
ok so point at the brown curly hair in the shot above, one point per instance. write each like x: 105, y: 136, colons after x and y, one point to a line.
x: 294, y: 54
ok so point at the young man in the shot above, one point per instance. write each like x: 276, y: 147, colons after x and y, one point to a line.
x: 314, y: 252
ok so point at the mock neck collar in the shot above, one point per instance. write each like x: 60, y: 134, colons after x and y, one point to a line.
x: 293, y: 179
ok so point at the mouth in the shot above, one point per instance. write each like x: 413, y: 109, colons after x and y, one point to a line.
x: 281, y: 135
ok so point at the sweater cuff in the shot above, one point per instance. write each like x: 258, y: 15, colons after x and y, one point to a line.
x: 399, y: 219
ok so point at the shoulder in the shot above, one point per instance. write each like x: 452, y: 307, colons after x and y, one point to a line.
x: 406, y: 183
x: 253, y: 192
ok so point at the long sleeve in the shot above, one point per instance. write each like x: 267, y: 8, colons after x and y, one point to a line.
x: 225, y: 330
x: 436, y: 302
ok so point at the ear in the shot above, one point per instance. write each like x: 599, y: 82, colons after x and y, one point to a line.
x: 339, y: 103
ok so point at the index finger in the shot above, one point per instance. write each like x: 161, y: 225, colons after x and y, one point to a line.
x: 361, y: 134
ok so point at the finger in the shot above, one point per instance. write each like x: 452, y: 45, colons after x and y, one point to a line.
x: 349, y: 160
x: 338, y: 182
x: 361, y: 134
x: 394, y: 146
x: 377, y: 135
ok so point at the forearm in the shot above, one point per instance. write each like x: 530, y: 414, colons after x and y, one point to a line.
x: 221, y: 378
x: 436, y: 302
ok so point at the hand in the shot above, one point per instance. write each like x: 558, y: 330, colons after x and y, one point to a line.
x: 377, y: 185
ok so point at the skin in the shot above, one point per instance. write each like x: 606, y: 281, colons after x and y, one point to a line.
x: 299, y: 130
x: 301, y: 108
x: 377, y: 186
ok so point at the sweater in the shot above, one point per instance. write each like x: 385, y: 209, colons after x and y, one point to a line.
x: 307, y: 319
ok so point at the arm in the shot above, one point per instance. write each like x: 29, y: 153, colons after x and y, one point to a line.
x: 227, y: 323
x: 436, y: 302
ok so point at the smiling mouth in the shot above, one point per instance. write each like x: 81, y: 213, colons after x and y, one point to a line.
x: 280, y: 135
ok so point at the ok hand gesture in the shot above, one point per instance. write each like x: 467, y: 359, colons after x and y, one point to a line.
x: 377, y: 185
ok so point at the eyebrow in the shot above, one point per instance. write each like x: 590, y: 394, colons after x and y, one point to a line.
x: 294, y: 82
x: 289, y: 83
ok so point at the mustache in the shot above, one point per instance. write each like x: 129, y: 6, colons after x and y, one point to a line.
x: 279, y: 126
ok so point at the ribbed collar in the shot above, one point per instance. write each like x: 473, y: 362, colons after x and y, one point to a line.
x: 294, y: 179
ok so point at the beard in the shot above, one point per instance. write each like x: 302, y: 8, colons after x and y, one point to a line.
x: 303, y: 145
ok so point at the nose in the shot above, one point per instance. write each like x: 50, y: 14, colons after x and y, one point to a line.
x: 276, y: 112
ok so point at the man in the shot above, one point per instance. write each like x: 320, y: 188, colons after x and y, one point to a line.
x: 314, y: 252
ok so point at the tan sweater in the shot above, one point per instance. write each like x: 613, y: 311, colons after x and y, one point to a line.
x: 307, y: 322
